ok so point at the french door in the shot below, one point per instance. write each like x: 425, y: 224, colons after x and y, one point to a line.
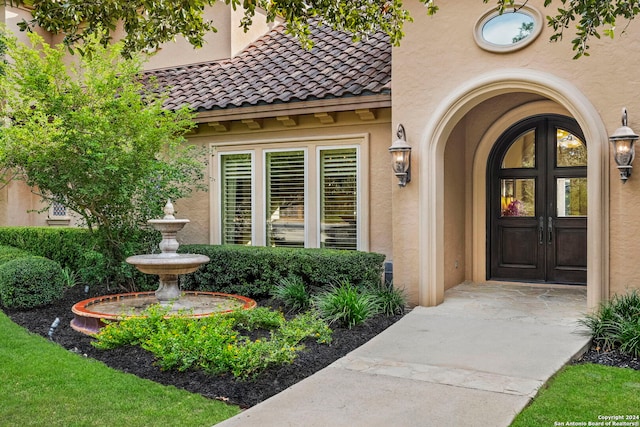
x: 537, y: 203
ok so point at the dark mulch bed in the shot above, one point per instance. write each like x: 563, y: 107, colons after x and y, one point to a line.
x: 139, y: 362
x: 609, y: 358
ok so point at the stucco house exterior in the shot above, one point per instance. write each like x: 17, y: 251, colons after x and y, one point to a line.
x: 512, y: 173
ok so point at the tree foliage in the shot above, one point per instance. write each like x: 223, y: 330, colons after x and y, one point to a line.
x: 149, y: 23
x: 93, y: 136
x: 6, y: 174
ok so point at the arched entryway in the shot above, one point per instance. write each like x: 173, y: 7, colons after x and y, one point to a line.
x: 554, y: 96
x: 537, y: 203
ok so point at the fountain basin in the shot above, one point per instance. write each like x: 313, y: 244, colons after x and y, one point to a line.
x: 171, y: 225
x: 90, y: 314
x: 169, y: 263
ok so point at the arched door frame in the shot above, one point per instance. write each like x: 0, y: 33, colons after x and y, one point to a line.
x: 566, y: 97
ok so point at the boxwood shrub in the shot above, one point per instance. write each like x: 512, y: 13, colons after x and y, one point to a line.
x: 29, y: 282
x: 75, y: 248
x: 254, y: 271
x: 66, y: 245
x: 8, y: 253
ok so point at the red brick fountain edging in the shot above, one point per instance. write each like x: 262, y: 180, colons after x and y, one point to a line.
x: 90, y: 314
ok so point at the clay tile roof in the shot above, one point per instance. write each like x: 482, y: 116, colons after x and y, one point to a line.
x: 276, y: 69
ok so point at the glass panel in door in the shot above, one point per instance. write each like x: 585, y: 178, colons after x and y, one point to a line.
x: 570, y: 150
x: 518, y: 197
x: 522, y: 152
x: 571, y: 196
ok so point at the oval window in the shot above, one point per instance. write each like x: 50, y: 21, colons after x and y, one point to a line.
x: 509, y: 31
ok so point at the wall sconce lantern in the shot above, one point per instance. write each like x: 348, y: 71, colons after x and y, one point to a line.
x: 623, y: 152
x: 401, y: 157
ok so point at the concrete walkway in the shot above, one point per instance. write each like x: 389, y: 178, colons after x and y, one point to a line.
x: 475, y: 360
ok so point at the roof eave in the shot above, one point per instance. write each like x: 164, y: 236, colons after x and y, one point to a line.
x: 296, y: 108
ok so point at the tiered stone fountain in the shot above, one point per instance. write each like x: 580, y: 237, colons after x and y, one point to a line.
x: 89, y: 315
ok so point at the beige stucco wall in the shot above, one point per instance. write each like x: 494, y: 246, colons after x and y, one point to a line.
x: 428, y: 69
x: 454, y: 204
x: 432, y: 65
x: 20, y: 210
x: 20, y: 206
x: 227, y: 42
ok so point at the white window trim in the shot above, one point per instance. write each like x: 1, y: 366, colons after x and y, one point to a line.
x: 58, y: 220
x: 310, y: 144
x: 538, y: 19
x: 53, y: 215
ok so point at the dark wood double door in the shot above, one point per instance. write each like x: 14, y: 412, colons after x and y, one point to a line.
x: 537, y: 203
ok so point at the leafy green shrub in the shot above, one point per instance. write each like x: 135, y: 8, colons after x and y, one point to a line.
x: 85, y: 253
x: 30, y: 282
x: 391, y: 300
x: 215, y: 344
x: 347, y: 305
x: 616, y: 324
x: 259, y: 317
x: 308, y: 324
x: 8, y: 253
x: 92, y: 267
x: 293, y: 293
x: 74, y: 248
x: 134, y: 330
x: 62, y: 244
x: 255, y: 271
x: 629, y: 336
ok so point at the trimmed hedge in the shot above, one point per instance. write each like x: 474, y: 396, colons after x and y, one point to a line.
x: 67, y: 246
x: 254, y: 271
x: 29, y: 282
x: 8, y: 253
x: 75, y: 248
x: 251, y: 271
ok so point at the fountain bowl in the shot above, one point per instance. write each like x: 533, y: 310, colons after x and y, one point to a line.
x: 92, y: 314
x: 167, y: 263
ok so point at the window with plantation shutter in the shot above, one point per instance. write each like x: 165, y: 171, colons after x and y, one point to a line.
x: 237, y: 198
x: 285, y: 198
x: 295, y: 193
x: 339, y: 198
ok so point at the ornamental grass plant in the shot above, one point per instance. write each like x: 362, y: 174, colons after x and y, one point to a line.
x: 347, y: 305
x: 344, y: 303
x: 293, y: 293
x: 616, y: 324
x: 391, y: 300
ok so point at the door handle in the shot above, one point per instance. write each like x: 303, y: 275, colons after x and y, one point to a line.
x: 550, y: 230
x: 540, y: 230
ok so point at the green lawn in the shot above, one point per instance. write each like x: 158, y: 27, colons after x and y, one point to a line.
x: 586, y: 394
x: 43, y: 384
